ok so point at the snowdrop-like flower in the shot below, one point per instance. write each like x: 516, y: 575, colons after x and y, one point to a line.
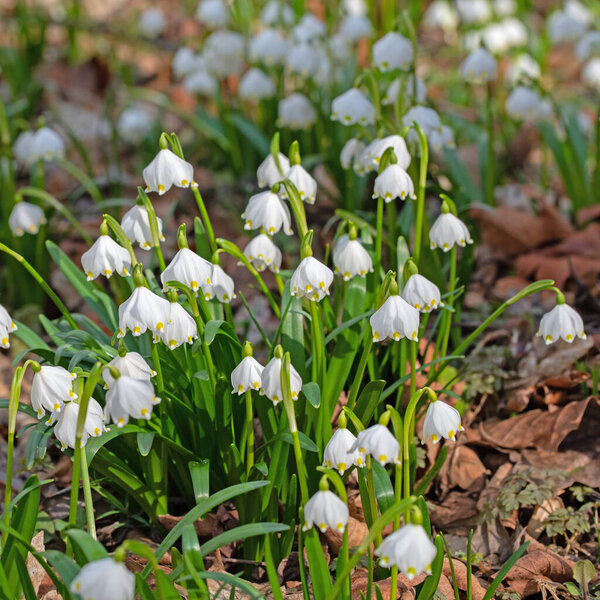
x: 104, y: 579
x: 213, y: 13
x: 339, y: 47
x: 405, y: 85
x: 505, y: 7
x: 305, y: 183
x: 524, y: 68
x: 268, y: 46
x: 7, y: 326
x: 421, y: 293
x: 579, y: 11
x: 266, y: 210
x: 394, y: 320
x: 479, y: 67
x: 26, y: 218
x: 246, y: 376
x: 268, y: 173
x: 222, y: 285
x: 311, y: 280
x: 179, y: 329
x: 136, y: 225
x: 351, y: 152
x: 134, y: 124
x: 271, y: 381
x: 441, y: 421
x: 191, y: 270
x: 374, y: 151
x: 515, y: 32
x: 355, y: 7
x: 393, y: 182
x: 447, y: 231
x: 47, y: 145
x: 561, y: 322
x: 167, y: 170
x: 23, y: 147
x: 441, y: 138
x: 143, y: 310
x: 324, y: 510
x: 256, y: 85
x: 393, y: 51
x: 441, y: 13
x: 355, y: 27
x: 130, y: 397
x: 309, y: 28
x: 338, y: 454
x: 409, y: 549
x: 128, y: 363
x: 564, y: 27
x: 379, y: 443
x: 66, y: 423
x: 590, y: 73
x: 263, y: 253
x: 353, y: 107
x: 426, y: 117
x: 105, y: 257
x: 474, y: 11
x: 304, y: 60
x: 152, y: 23
x: 526, y: 104
x: 277, y: 12
x: 350, y: 258
x: 296, y: 111
x: 51, y: 388
x: 588, y: 45
x: 186, y: 62
x: 200, y: 82
x: 224, y: 53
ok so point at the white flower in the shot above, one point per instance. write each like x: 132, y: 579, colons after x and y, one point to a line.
x: 131, y: 364
x: 136, y: 225
x: 474, y: 11
x: 505, y: 7
x: 524, y: 68
x: 266, y: 210
x: 339, y: 47
x: 421, y: 293
x: 134, y: 124
x: 355, y: 7
x: 256, y: 85
x: 353, y: 107
x: 179, y: 329
x: 105, y: 257
x: 393, y: 182
x: 263, y: 253
x: 304, y: 59
x: 152, y: 23
x: 427, y: 118
x: 23, y: 147
x: 526, y: 104
x: 515, y: 31
x: 500, y: 37
x: 409, y: 549
x: 311, y: 280
x: 130, y: 397
x: 392, y: 51
x: 379, y: 443
x: 355, y: 27
x: 166, y: 170
x: 222, y: 285
x: 324, y: 510
x: 271, y: 381
x: 405, y: 85
x: 26, y: 217
x: 305, y: 183
x: 296, y: 111
x: 350, y: 153
x: 447, y: 231
x: 338, y: 453
x: 104, y: 579
x: 374, y: 151
x: 350, y: 258
x: 213, y: 13
x: 579, y: 11
x: 246, y: 376
x: 588, y: 45
x: 47, y: 145
x: 309, y: 28
x: 480, y: 66
x: 143, y: 310
x: 277, y: 12
x: 441, y: 138
x: 186, y: 62
x: 590, y: 73
x: 224, y: 53
x: 191, y: 270
x: 564, y: 26
x: 51, y: 388
x: 395, y: 319
x: 268, y: 46
x: 200, y: 82
x: 7, y: 326
x: 441, y: 421
x: 561, y: 322
x: 268, y: 173
x: 66, y: 423
x: 441, y: 13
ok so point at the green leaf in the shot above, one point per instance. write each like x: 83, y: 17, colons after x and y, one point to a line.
x: 66, y: 567
x: 144, y: 441
x: 241, y: 533
x: 383, y: 487
x: 85, y: 547
x: 211, y: 329
x: 368, y: 400
x: 421, y: 488
x: 312, y: 393
x: 503, y: 572
x: 200, y: 473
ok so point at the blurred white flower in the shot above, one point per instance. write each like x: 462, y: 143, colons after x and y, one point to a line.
x: 304, y: 59
x: 350, y: 258
x: 474, y: 11
x: 561, y: 322
x: 565, y: 26
x: 590, y: 73
x: 26, y: 218
x: 105, y: 257
x: 421, y: 293
x: 515, y: 31
x: 500, y: 37
x: 130, y: 363
x: 23, y: 147
x: 393, y: 182
x: 355, y: 27
x: 393, y: 51
x: 379, y: 443
x: 134, y: 124
x: 180, y: 327
x: 394, y: 320
x: 66, y: 423
x: 277, y: 12
x: 201, y: 82
x: 447, y: 231
x: 355, y: 7
x: 505, y: 8
x: 309, y: 28
x: 47, y: 145
x: 340, y: 47
x: 372, y: 154
x: 143, y: 310
x: 192, y: 270
x: 7, y: 326
x: 338, y: 454
x: 427, y: 118
x: 136, y: 225
x: 224, y: 53
x: 268, y: 46
x: 167, y: 170
x: 296, y: 111
x: 351, y: 152
x: 104, y: 579
x: 353, y: 107
x: 588, y: 45
x: 304, y: 182
x: 256, y: 85
x: 213, y: 13
x: 441, y: 138
x: 263, y: 253
x: 266, y: 210
x: 525, y: 104
x: 441, y: 421
x: 405, y: 85
x: 51, y: 388
x: 271, y: 381
x: 579, y: 11
x: 324, y: 510
x: 479, y: 67
x: 222, y: 285
x: 441, y: 13
x: 186, y: 62
x: 130, y: 397
x: 152, y: 23
x: 246, y: 376
x: 268, y: 173
x: 524, y: 68
x: 311, y: 280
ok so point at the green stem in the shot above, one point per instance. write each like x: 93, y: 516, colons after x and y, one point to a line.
x: 450, y: 301
x: 421, y: 193
x: 413, y: 367
x: 353, y: 395
x: 297, y: 208
x: 157, y: 365
x: 87, y: 493
x: 205, y: 220
x: 249, y: 434
x: 318, y: 343
x: 121, y: 237
x: 88, y: 183
x: 489, y: 179
x: 372, y: 496
x: 378, y: 237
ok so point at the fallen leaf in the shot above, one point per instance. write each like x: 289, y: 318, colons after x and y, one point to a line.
x: 357, y: 532
x: 457, y: 507
x: 536, y: 566
x: 460, y: 572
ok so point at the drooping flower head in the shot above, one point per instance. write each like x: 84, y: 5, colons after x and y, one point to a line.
x: 136, y: 225
x: 441, y: 421
x: 379, y: 443
x: 26, y: 217
x: 353, y: 107
x: 350, y: 257
x: 128, y: 363
x: 271, y: 379
x: 192, y: 270
x: 393, y: 51
x: 338, y: 453
x: 419, y: 292
x: 325, y: 510
x: 51, y: 388
x: 479, y: 67
x: 267, y: 211
x: 247, y: 375
x: 448, y: 230
x: 394, y: 320
x: 7, y: 325
x: 104, y: 579
x: 129, y: 397
x: 105, y: 257
x: 263, y: 253
x: 65, y: 429
x: 167, y: 170
x: 311, y: 280
x: 562, y: 322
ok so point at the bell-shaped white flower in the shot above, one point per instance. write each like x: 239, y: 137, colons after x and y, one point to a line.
x: 325, y: 510
x: 355, y: 27
x: 105, y: 257
x: 266, y: 210
x: 51, y: 388
x: 268, y: 47
x: 305, y: 183
x: 191, y: 270
x: 505, y: 7
x: 222, y: 285
x: 186, y: 61
x: 296, y: 111
x: 47, y: 145
x: 338, y: 453
x: 525, y: 104
x: 224, y: 53
x: 167, y: 170
x: 131, y: 364
x: 441, y: 13
x: 143, y: 310
x: 213, y: 13
x: 263, y: 253
x: 377, y: 442
x: 565, y: 27
x: 7, y: 326
x: 447, y: 231
x: 561, y: 322
x: 441, y: 138
x: 129, y: 397
x: 311, y: 280
x: 309, y: 28
x: 179, y: 329
x: 23, y: 147
x: 276, y: 12
x: 256, y: 85
x: 405, y: 86
x: 340, y: 47
x: 441, y: 421
x: 393, y: 51
x: 588, y: 45
x: 246, y: 376
x: 590, y: 74
x: 427, y: 118
x: 134, y: 124
x: 351, y: 152
x: 136, y: 226
x: 393, y: 182
x: 479, y: 67
x: 268, y: 173
x: 474, y: 11
x: 271, y: 381
x: 409, y: 549
x: 353, y: 107
x: 26, y: 218
x: 421, y: 293
x: 394, y: 320
x: 200, y: 82
x: 104, y: 579
x: 152, y: 23
x: 304, y: 60
x: 66, y: 423
x: 524, y: 68
x: 350, y: 258
x: 374, y: 151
